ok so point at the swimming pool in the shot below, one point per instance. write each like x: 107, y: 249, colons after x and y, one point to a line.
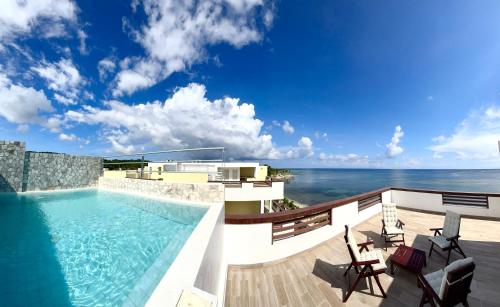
x: 88, y: 247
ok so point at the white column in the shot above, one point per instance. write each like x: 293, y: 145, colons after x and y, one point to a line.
x: 261, y: 206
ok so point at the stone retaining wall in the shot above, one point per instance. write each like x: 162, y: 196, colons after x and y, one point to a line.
x: 198, y: 192
x: 22, y: 170
x: 11, y: 165
x: 54, y: 171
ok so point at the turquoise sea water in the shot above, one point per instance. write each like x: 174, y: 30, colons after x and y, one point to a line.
x: 87, y: 248
x: 311, y: 186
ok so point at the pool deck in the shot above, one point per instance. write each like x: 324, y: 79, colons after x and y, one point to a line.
x: 315, y: 277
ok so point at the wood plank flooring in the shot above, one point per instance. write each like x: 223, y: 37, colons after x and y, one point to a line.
x: 314, y: 277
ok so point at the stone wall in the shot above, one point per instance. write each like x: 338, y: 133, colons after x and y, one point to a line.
x: 54, y: 171
x: 11, y: 166
x: 198, y: 192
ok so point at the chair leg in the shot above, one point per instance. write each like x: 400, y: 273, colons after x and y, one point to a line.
x: 360, y: 275
x: 348, y: 268
x: 379, y: 285
x: 430, y: 251
x: 423, y: 300
x: 404, y: 243
x: 461, y: 251
x: 448, y: 259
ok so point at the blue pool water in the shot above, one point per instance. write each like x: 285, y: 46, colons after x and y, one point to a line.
x: 88, y: 247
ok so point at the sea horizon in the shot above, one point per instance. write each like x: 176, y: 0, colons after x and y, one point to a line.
x: 316, y: 185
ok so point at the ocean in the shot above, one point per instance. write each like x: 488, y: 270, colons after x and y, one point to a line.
x: 312, y: 186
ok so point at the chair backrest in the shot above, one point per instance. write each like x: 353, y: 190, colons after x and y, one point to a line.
x: 451, y: 225
x: 457, y: 278
x: 352, y: 245
x: 390, y: 214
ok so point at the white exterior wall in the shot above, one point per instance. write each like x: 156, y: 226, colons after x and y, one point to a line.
x: 200, y: 263
x: 252, y: 243
x: 248, y: 192
x: 433, y: 202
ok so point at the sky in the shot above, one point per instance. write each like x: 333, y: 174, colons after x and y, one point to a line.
x: 362, y: 84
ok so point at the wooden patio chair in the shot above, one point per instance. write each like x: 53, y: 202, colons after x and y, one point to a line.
x: 392, y: 226
x: 366, y: 263
x: 449, y: 286
x: 446, y: 237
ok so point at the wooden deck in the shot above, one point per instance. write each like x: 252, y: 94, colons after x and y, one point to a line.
x: 314, y: 277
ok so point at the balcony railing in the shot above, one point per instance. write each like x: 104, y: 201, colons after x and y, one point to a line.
x: 288, y: 224
x: 297, y: 226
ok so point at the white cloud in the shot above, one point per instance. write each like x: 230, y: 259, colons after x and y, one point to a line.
x: 67, y: 137
x: 321, y: 135
x: 19, y: 18
x: 22, y: 105
x: 24, y: 128
x: 82, y: 37
x: 475, y: 138
x: 347, y: 159
x: 64, y: 78
x: 54, y: 123
x: 106, y: 67
x: 185, y: 120
x: 287, y: 127
x: 393, y: 148
x: 177, y: 33
x: 304, y: 149
x: 430, y: 98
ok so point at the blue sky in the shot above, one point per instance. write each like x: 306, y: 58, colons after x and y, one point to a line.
x: 391, y: 84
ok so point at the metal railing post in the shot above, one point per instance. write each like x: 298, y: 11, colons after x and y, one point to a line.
x: 142, y: 166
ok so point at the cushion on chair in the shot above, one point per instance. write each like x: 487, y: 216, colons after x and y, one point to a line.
x: 435, y: 280
x: 390, y: 214
x: 457, y: 270
x: 440, y: 241
x: 393, y: 230
x: 353, y: 244
x: 451, y: 226
x: 372, y: 255
x: 441, y: 279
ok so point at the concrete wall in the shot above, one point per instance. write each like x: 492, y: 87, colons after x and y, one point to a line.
x: 200, y: 263
x: 55, y: 171
x: 434, y: 202
x: 172, y: 177
x: 252, y: 243
x: 242, y: 207
x: 201, y: 192
x: 250, y: 192
x: 11, y: 166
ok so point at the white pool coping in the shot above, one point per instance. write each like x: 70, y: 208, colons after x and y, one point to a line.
x: 183, y: 272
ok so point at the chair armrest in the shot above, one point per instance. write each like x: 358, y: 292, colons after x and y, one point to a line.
x: 364, y: 245
x: 453, y: 238
x: 427, y: 287
x: 437, y: 231
x: 400, y: 222
x: 367, y: 262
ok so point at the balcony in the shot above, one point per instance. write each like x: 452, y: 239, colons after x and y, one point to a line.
x: 298, y: 257
x: 314, y: 277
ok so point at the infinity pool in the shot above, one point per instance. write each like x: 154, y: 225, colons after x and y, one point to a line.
x: 88, y: 247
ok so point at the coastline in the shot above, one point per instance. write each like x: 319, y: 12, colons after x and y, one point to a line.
x: 298, y: 204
